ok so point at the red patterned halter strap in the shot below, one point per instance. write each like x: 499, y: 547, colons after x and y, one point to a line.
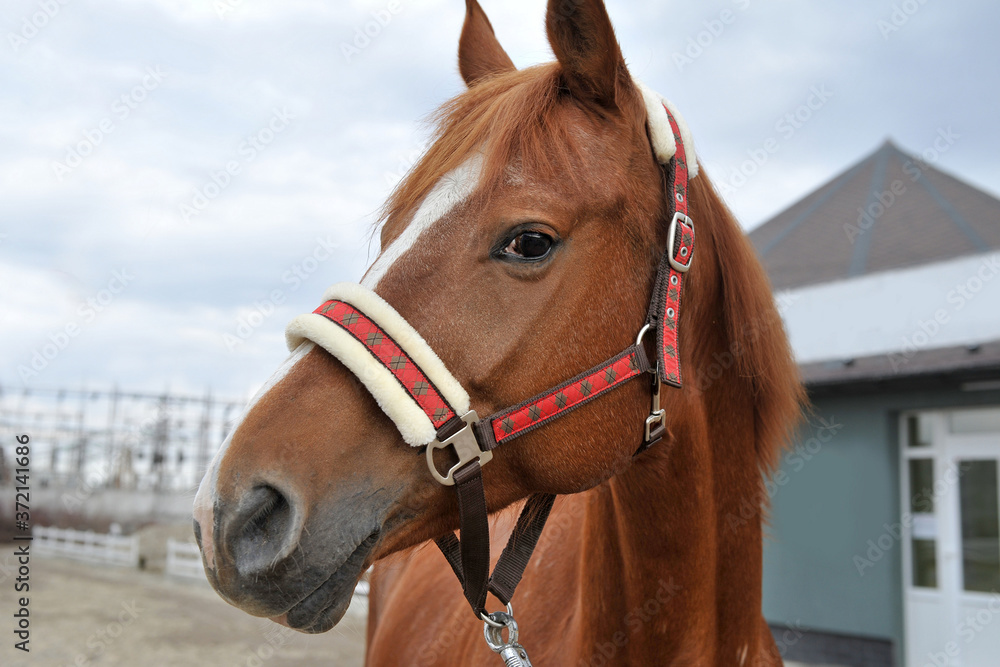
x: 665, y: 306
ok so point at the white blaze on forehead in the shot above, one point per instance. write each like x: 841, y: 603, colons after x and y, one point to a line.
x: 205, y: 499
x: 455, y: 187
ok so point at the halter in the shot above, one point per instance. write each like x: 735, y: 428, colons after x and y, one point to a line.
x: 430, y: 407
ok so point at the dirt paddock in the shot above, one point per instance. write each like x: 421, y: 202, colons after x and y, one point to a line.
x: 83, y: 615
x: 91, y: 615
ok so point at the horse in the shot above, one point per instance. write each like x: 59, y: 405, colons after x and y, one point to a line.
x: 524, y: 247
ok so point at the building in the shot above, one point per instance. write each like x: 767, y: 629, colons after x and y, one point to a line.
x: 884, y: 545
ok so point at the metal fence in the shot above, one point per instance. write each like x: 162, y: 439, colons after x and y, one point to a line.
x: 114, y: 438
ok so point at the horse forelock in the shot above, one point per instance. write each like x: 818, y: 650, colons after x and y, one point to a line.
x: 510, y: 122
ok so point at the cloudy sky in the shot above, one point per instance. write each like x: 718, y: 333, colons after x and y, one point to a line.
x: 179, y: 178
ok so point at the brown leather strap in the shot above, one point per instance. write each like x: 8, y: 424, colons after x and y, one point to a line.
x: 514, y: 558
x: 521, y: 543
x: 470, y: 557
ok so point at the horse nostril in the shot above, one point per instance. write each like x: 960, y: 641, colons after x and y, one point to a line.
x: 197, y: 533
x: 261, y: 531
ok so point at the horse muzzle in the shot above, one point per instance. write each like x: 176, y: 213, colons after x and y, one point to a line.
x: 275, y: 557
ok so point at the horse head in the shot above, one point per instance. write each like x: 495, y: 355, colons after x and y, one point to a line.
x: 523, y: 247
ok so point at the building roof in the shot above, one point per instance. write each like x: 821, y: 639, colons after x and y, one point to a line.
x: 889, y: 211
x: 965, y: 367
x: 939, y: 304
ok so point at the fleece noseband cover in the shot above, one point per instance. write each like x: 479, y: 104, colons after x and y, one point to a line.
x: 408, y: 380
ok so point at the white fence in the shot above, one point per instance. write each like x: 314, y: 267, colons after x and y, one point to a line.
x: 184, y: 560
x: 87, y: 545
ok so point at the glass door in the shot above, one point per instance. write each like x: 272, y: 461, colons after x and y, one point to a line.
x: 951, y: 538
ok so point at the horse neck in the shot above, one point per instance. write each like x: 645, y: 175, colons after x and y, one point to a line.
x: 683, y: 526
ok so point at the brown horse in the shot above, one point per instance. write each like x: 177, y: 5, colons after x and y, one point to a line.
x: 523, y: 247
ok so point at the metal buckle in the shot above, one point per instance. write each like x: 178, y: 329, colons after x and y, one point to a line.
x: 672, y: 238
x: 466, y: 447
x: 656, y: 414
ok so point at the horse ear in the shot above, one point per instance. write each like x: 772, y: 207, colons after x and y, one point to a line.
x: 479, y: 53
x: 584, y: 42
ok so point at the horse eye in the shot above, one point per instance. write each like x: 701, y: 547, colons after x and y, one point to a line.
x: 529, y: 245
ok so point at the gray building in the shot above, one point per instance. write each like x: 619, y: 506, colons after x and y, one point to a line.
x: 883, y: 543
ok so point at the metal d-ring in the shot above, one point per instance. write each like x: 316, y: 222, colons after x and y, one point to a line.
x: 493, y: 630
x: 512, y: 653
x: 642, y: 332
x: 487, y: 618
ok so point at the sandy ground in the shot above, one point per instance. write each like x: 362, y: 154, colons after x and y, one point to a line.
x: 84, y: 615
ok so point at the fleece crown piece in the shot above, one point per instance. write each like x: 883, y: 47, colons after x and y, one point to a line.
x: 664, y: 145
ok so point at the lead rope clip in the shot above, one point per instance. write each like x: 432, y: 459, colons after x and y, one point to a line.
x: 512, y: 653
x: 655, y: 426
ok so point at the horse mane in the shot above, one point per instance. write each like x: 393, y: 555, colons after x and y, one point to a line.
x: 760, y: 351
x: 508, y: 118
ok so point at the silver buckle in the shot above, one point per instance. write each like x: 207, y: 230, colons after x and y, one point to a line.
x: 466, y: 447
x: 672, y: 238
x: 656, y: 413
